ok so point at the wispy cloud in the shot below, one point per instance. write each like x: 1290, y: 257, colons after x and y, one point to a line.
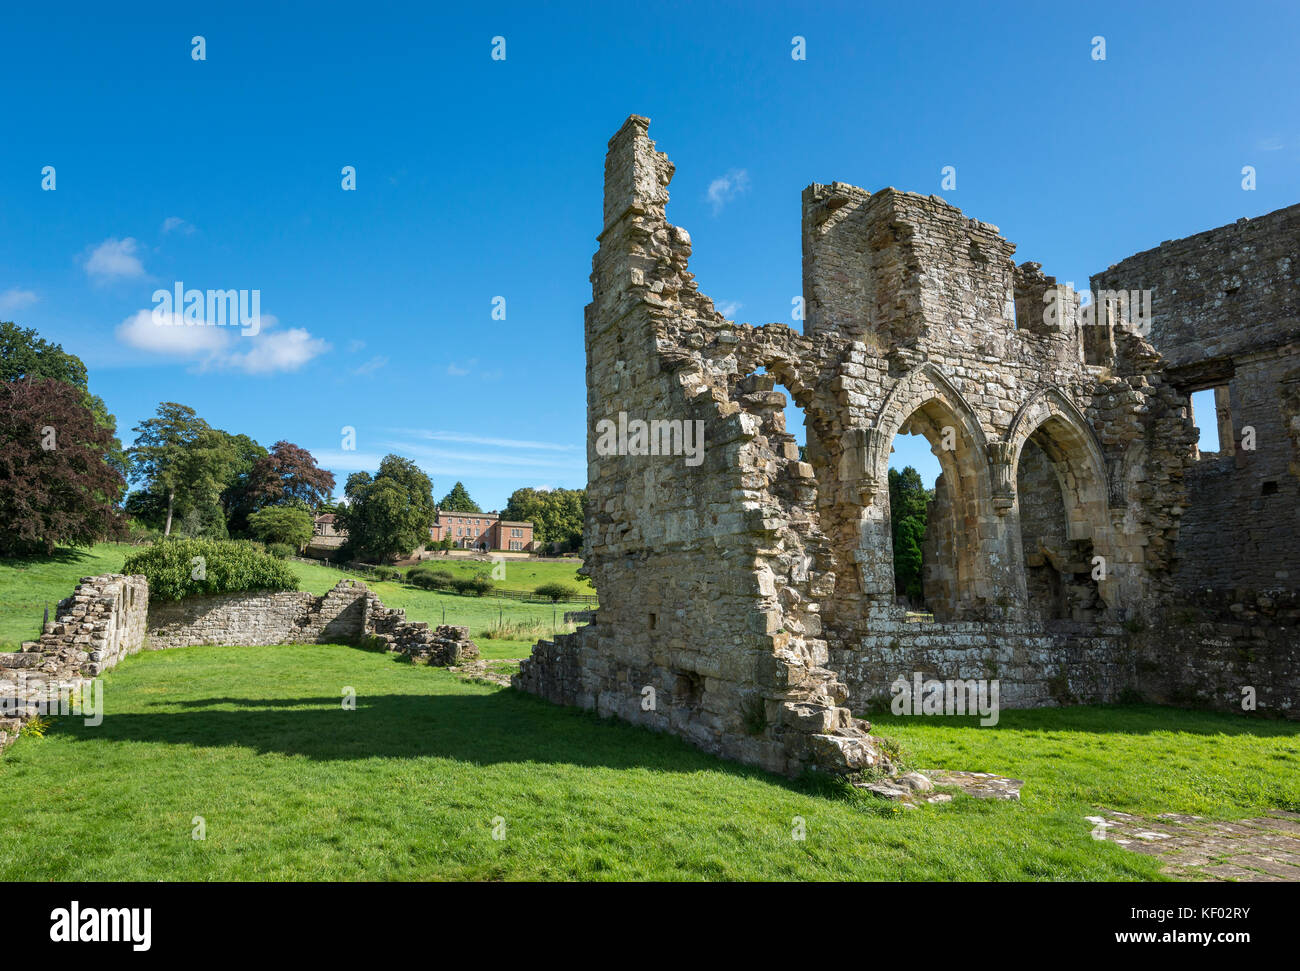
x: 457, y: 372
x: 175, y: 224
x: 729, y: 309
x: 371, y: 366
x: 211, y: 347
x: 725, y: 188
x: 1270, y: 144
x: 114, y: 259
x: 16, y: 299
x: 463, y: 439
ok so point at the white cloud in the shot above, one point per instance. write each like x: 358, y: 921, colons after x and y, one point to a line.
x: 171, y: 335
x: 212, y: 347
x: 271, y: 352
x: 457, y: 372
x: 371, y: 366
x: 485, y: 440
x: 729, y: 309
x: 727, y: 187
x: 115, y: 259
x: 15, y: 299
x: 173, y: 224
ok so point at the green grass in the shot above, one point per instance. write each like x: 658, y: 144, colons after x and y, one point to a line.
x: 28, y: 586
x: 523, y: 576
x: 407, y: 786
x: 476, y: 613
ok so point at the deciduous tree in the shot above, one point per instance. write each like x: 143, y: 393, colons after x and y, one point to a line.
x: 56, y: 484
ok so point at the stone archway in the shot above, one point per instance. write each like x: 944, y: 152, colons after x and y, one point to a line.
x: 1057, y: 476
x: 963, y: 580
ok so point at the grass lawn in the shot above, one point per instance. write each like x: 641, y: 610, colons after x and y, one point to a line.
x: 27, y: 585
x: 407, y: 786
x: 520, y: 575
x: 477, y: 613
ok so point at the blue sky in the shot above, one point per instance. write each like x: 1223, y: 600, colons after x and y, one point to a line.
x: 479, y: 178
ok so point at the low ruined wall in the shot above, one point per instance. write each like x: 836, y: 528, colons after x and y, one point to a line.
x: 1034, y: 666
x: 1209, y: 648
x: 251, y: 619
x: 110, y: 617
x: 102, y: 622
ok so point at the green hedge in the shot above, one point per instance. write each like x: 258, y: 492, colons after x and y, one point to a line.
x: 428, y: 578
x: 180, y: 568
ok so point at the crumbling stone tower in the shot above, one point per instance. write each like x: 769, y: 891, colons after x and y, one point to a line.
x: 748, y: 599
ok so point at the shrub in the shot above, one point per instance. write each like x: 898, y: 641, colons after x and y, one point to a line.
x: 476, y: 585
x: 35, y: 727
x: 428, y: 579
x: 180, y: 568
x: 290, y: 525
x: 281, y: 551
x: 556, y: 592
x: 386, y: 573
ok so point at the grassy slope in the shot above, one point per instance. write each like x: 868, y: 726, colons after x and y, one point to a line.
x: 293, y: 787
x: 522, y: 575
x: 476, y: 613
x: 26, y: 586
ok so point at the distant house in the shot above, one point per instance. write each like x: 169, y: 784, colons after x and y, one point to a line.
x: 481, y: 531
x: 326, y: 537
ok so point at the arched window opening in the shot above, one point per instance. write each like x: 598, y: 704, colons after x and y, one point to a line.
x: 1061, y: 565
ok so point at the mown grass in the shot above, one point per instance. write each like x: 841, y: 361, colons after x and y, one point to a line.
x: 477, y: 613
x: 407, y: 786
x: 28, y: 585
x: 523, y: 576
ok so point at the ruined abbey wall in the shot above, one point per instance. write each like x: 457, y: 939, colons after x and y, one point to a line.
x: 748, y: 601
x: 1226, y: 309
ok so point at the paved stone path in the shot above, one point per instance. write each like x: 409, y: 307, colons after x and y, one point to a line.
x: 1266, y: 849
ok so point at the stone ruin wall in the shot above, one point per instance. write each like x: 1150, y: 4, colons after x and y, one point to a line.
x: 748, y: 603
x: 1226, y: 309
x: 108, y: 618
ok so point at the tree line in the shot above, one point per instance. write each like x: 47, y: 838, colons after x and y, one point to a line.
x: 65, y: 476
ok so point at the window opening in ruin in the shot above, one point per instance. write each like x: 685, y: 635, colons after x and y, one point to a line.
x: 1269, y: 488
x: 1060, y: 572
x: 915, y: 484
x: 1211, y: 412
x: 654, y: 620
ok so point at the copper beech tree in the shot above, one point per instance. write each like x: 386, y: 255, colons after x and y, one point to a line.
x: 56, y: 484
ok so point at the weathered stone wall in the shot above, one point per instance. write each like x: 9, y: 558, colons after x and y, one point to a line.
x: 1207, y: 648
x: 738, y: 590
x: 101, y: 622
x: 110, y: 617
x: 1226, y: 308
x: 247, y: 619
x: 1034, y: 665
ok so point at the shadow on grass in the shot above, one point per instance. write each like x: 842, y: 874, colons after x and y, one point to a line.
x: 1109, y: 719
x: 64, y: 554
x: 501, y: 727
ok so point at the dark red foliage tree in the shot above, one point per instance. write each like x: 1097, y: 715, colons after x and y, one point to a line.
x: 289, y: 474
x: 55, y: 485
